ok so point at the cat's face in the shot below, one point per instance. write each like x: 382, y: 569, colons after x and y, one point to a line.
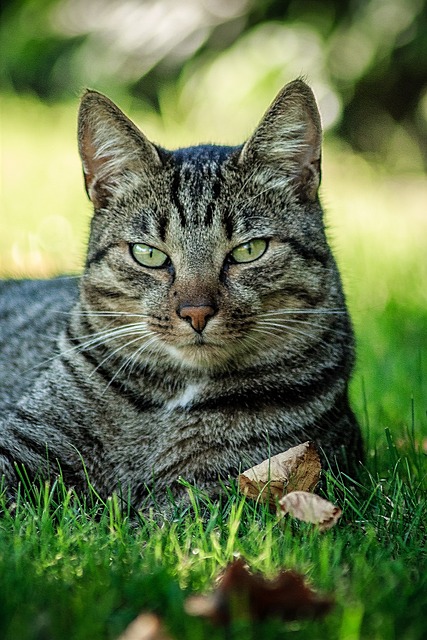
x: 208, y: 257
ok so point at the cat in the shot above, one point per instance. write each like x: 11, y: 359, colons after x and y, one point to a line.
x: 209, y: 329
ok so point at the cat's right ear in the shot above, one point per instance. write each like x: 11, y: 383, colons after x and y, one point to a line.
x: 112, y: 149
x: 286, y: 147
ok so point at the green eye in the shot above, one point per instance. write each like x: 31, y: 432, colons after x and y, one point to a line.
x: 148, y: 256
x: 249, y: 251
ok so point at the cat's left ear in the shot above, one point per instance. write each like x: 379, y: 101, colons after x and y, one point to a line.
x: 286, y: 145
x: 113, y: 150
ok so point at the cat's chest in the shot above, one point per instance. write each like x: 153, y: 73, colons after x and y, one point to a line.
x: 156, y: 415
x: 185, y: 397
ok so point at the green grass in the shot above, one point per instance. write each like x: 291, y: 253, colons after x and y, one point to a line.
x: 83, y: 571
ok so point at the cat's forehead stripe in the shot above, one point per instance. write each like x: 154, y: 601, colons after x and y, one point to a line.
x: 216, y: 190
x: 195, y: 188
x: 162, y: 222
x: 175, y: 195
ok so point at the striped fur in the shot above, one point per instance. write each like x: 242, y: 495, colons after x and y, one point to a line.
x: 103, y: 375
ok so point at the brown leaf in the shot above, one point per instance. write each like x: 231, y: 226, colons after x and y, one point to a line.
x: 411, y: 443
x: 297, y: 469
x: 146, y: 626
x: 241, y: 594
x: 310, y: 507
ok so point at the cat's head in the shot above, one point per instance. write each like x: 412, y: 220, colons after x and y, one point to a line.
x: 207, y: 256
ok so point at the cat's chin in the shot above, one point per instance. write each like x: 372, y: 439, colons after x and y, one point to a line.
x: 200, y: 356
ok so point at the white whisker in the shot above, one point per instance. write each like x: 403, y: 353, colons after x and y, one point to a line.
x: 306, y: 323
x: 255, y: 341
x: 117, y: 331
x: 128, y: 360
x: 319, y: 311
x: 290, y: 329
x: 112, y: 314
x: 113, y: 353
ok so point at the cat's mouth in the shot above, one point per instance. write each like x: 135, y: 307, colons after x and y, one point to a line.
x: 199, y: 344
x: 198, y: 340
x: 200, y: 352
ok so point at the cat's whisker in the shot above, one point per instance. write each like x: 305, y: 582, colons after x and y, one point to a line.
x: 75, y: 277
x: 117, y: 331
x: 133, y: 358
x: 96, y: 340
x: 320, y: 311
x: 255, y: 341
x: 300, y: 336
x: 279, y: 329
x: 113, y: 353
x: 156, y: 348
x: 101, y: 340
x: 131, y: 362
x: 130, y: 358
x: 283, y: 329
x: 293, y: 346
x: 279, y: 332
x: 112, y: 314
x: 305, y: 323
x: 278, y: 325
x: 104, y: 339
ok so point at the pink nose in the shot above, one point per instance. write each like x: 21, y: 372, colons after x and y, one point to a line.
x: 197, y: 316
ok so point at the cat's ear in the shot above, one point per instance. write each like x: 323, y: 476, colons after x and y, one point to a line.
x: 112, y: 148
x: 286, y: 145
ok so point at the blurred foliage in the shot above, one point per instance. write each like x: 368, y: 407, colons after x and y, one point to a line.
x: 367, y: 59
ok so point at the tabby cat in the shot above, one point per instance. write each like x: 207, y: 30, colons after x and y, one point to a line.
x: 209, y: 328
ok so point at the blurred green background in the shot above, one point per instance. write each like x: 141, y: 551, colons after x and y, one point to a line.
x: 205, y: 70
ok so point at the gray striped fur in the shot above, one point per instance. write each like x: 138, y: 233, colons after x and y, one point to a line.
x: 104, y: 370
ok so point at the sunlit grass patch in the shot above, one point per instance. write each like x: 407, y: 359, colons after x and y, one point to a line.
x: 80, y: 569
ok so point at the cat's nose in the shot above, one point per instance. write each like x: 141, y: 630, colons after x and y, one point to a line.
x: 197, y: 315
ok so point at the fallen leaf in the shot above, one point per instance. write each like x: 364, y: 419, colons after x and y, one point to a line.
x: 310, y: 507
x: 241, y: 594
x: 146, y: 626
x: 297, y: 469
x: 411, y: 443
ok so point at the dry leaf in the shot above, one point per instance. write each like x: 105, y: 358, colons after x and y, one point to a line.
x: 310, y: 508
x: 146, y: 626
x: 297, y: 469
x: 241, y: 594
x: 409, y: 443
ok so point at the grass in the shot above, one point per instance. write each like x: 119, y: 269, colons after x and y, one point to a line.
x: 83, y: 571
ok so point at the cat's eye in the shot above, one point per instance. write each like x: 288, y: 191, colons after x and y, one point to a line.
x: 249, y: 251
x: 148, y: 256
